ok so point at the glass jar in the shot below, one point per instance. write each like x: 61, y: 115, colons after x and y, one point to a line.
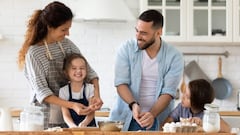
x: 31, y: 119
x: 211, y: 118
x: 238, y: 100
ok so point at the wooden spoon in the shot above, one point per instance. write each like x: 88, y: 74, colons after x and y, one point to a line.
x: 183, y: 84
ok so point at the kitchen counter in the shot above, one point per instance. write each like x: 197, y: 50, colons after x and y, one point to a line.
x: 229, y: 113
x: 103, y: 133
x: 16, y: 113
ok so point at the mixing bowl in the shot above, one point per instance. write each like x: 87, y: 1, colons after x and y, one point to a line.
x: 110, y: 125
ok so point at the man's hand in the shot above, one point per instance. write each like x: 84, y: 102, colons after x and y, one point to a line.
x: 146, y: 120
x: 136, y: 112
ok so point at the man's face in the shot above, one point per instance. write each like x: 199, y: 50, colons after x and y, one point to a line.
x: 145, y: 34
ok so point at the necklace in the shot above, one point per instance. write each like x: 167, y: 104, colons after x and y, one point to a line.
x: 48, y: 53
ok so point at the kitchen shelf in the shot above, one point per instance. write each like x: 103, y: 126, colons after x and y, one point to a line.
x: 226, y: 54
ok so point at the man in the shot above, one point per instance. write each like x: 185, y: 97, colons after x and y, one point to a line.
x: 147, y: 74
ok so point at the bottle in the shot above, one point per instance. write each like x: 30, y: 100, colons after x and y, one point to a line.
x: 211, y: 118
x: 32, y: 119
x: 5, y: 119
x: 238, y: 100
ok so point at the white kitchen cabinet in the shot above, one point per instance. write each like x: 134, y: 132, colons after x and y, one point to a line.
x: 197, y: 20
x: 210, y: 20
x: 236, y: 20
x: 174, y: 12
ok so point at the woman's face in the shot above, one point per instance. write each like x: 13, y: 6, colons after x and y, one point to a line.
x: 77, y: 71
x: 186, y: 98
x: 59, y: 33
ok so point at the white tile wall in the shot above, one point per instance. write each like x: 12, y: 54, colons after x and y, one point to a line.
x: 98, y: 42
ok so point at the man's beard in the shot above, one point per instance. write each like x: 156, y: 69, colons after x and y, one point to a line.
x: 148, y: 44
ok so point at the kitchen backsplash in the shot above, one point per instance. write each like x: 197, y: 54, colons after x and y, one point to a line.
x: 98, y: 41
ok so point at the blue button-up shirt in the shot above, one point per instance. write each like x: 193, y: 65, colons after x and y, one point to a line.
x: 128, y: 70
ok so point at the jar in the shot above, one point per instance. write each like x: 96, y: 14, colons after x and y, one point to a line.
x: 211, y: 118
x: 238, y: 100
x: 31, y: 119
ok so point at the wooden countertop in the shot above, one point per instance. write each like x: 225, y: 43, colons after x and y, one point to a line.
x: 16, y: 113
x: 102, y: 133
x: 229, y: 113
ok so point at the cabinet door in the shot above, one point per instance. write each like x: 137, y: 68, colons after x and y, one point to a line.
x: 210, y: 20
x: 236, y: 21
x: 174, y: 12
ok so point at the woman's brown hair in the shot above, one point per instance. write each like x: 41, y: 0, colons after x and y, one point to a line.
x: 53, y: 15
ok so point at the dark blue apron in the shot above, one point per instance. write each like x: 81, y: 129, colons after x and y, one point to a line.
x: 79, y: 118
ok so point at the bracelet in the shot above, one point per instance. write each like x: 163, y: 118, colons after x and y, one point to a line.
x: 132, y: 103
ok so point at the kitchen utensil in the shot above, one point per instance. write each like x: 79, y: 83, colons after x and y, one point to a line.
x: 193, y: 72
x: 211, y: 119
x: 32, y: 119
x: 222, y: 86
x: 183, y: 84
x: 238, y: 100
x: 110, y: 125
x: 5, y: 119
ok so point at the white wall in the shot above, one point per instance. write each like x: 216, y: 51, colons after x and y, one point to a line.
x: 98, y: 42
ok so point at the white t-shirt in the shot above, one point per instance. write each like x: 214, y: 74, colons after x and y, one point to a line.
x: 89, y: 92
x: 148, y: 82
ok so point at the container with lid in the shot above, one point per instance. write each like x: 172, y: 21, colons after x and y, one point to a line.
x: 211, y: 118
x: 238, y: 100
x: 32, y: 119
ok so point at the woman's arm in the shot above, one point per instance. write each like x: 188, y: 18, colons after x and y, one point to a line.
x: 80, y: 109
x: 97, y: 101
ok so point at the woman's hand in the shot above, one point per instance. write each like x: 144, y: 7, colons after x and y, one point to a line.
x: 81, y: 109
x: 96, y: 103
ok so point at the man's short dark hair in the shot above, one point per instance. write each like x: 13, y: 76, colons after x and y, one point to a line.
x: 152, y: 16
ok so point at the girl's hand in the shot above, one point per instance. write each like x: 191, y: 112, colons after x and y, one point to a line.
x: 81, y: 109
x: 82, y: 124
x: 196, y: 120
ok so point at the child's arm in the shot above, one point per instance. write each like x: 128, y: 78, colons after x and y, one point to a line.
x: 67, y: 117
x: 87, y: 120
x: 88, y: 117
x: 167, y: 120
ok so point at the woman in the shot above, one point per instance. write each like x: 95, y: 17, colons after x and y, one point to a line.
x: 42, y: 55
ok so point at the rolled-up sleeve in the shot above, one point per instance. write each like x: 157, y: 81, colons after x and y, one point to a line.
x: 122, y: 67
x: 172, y: 77
x: 36, y: 78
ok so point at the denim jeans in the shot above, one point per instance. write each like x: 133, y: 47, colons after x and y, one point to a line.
x: 134, y: 126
